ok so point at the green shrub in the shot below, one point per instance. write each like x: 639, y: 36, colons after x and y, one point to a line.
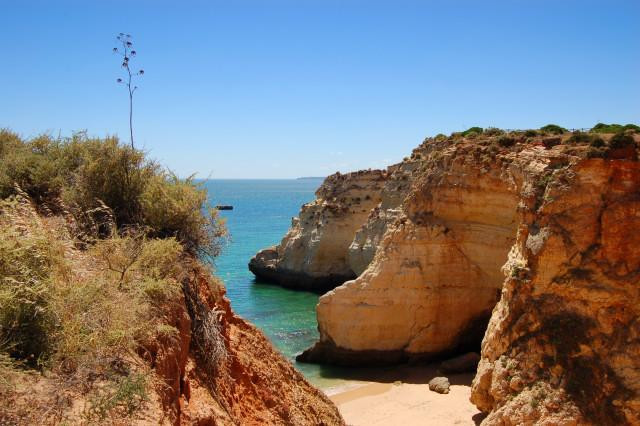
x: 27, y: 165
x: 505, y: 141
x: 81, y: 316
x: 613, y: 128
x: 112, y: 173
x: 82, y: 311
x: 123, y: 396
x: 9, y: 142
x: 579, y: 138
x: 553, y: 129
x: 100, y: 177
x: 493, y: 131
x: 472, y: 135
x: 621, y: 140
x: 98, y: 324
x: 474, y: 130
x: 606, y: 128
x: 551, y: 141
x: 595, y: 152
x: 105, y: 316
x: 596, y: 142
x: 178, y: 208
x: 159, y: 291
x: 80, y: 169
x: 160, y: 258
x: 530, y: 133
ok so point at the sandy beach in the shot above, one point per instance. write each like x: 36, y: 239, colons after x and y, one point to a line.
x: 401, y: 396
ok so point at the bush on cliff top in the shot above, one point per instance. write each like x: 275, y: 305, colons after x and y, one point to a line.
x: 613, y: 128
x: 476, y: 130
x: 553, y: 129
x: 183, y: 213
x: 578, y: 138
x: 83, y: 308
x: 493, y: 131
x: 621, y: 140
x: 505, y: 141
x: 87, y: 173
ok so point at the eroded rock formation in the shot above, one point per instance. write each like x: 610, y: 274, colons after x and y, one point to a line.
x: 253, y: 384
x: 314, y: 253
x: 436, y: 274
x: 563, y: 344
x: 544, y: 226
x: 366, y: 240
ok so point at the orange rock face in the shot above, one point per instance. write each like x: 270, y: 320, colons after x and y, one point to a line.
x: 567, y: 327
x: 549, y: 232
x: 251, y: 385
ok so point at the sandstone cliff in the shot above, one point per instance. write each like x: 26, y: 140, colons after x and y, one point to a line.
x: 314, y: 253
x: 436, y: 274
x: 252, y: 384
x: 554, y: 215
x: 563, y: 344
x: 396, y: 187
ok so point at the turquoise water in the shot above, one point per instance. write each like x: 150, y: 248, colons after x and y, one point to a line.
x: 261, y: 215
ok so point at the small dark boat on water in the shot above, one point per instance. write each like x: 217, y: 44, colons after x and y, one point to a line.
x: 224, y: 207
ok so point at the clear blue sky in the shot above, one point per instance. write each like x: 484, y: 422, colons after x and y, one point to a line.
x: 298, y: 88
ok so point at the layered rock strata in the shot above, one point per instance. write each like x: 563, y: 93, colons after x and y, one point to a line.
x: 563, y: 344
x: 252, y: 385
x: 543, y: 226
x: 249, y: 384
x: 396, y: 187
x: 313, y: 255
x: 436, y: 274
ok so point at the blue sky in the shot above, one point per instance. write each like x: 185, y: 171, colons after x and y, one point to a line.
x: 279, y: 89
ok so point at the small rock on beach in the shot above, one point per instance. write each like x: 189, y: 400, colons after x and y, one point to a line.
x: 439, y: 384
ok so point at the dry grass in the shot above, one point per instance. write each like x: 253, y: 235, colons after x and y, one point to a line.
x: 92, y: 258
x: 206, y: 329
x: 80, y: 317
x: 104, y: 183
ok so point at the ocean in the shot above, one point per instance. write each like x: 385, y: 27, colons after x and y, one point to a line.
x: 261, y: 215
